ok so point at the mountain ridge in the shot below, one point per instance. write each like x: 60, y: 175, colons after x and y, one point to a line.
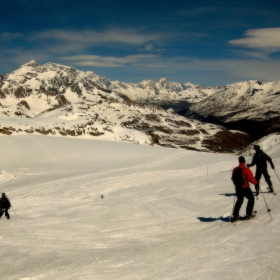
x: 55, y: 100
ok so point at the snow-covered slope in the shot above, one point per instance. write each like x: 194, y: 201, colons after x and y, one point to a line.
x: 57, y: 100
x: 251, y: 106
x: 159, y: 218
x: 267, y: 143
x: 252, y: 99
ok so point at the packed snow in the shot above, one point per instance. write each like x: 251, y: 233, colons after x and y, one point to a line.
x: 158, y: 218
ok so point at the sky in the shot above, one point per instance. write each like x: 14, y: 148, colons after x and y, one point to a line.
x: 203, y: 42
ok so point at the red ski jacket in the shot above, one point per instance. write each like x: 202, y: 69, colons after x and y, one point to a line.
x: 247, y: 175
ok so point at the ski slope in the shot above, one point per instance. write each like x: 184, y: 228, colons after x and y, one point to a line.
x: 159, y: 218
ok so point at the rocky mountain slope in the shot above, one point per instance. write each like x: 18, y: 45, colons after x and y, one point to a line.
x: 159, y: 91
x: 250, y: 106
x: 61, y: 101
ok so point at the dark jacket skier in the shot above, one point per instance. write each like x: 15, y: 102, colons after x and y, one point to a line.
x: 260, y: 159
x: 244, y: 191
x: 5, y: 206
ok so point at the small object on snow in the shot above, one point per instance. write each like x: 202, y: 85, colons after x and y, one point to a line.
x: 102, y: 196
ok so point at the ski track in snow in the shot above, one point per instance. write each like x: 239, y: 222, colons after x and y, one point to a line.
x: 145, y: 227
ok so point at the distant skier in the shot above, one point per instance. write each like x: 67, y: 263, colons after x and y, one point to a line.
x: 241, y: 177
x: 5, y: 206
x: 260, y: 160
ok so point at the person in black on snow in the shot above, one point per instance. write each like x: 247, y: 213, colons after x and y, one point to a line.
x: 260, y: 160
x: 5, y: 206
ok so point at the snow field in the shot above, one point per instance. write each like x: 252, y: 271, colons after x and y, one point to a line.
x: 149, y: 225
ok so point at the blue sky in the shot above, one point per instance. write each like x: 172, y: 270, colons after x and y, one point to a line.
x: 204, y: 42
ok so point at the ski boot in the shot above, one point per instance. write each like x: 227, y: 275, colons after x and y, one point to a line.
x: 248, y: 217
x: 234, y: 219
x: 270, y: 188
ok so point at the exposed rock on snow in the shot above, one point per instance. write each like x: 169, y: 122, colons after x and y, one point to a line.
x: 57, y: 100
x: 250, y: 106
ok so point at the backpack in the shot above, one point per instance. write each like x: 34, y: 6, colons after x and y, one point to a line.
x: 237, y: 178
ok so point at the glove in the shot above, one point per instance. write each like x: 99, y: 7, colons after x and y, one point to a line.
x: 248, y: 165
x: 273, y: 167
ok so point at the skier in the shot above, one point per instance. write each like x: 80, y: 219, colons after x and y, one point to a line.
x: 260, y: 160
x: 243, y: 191
x: 5, y: 206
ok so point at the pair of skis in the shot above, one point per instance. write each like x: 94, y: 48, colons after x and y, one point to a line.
x: 244, y: 219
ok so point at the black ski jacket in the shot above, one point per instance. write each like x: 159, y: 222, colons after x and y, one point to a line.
x: 5, y: 203
x: 260, y: 160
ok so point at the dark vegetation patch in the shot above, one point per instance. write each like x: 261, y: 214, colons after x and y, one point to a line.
x: 19, y: 113
x: 44, y: 131
x: 155, y: 139
x: 29, y: 130
x: 189, y: 132
x: 96, y: 133
x: 180, y: 107
x: 2, y: 94
x: 178, y: 123
x: 22, y: 92
x: 130, y: 103
x: 130, y: 123
x: 25, y: 104
x: 7, y: 130
x: 62, y: 101
x: 182, y: 123
x: 203, y: 131
x: 50, y: 93
x: 164, y: 129
x: 227, y: 141
x: 152, y: 117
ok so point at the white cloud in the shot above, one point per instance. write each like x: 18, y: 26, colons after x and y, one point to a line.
x: 110, y: 61
x: 267, y: 40
x: 218, y: 72
x: 149, y: 47
x: 91, y: 37
x: 7, y: 36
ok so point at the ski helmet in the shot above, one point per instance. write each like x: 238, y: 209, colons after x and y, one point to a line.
x: 257, y: 148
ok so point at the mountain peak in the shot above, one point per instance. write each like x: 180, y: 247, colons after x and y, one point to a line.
x: 31, y: 63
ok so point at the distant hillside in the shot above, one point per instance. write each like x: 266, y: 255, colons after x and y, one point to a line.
x: 57, y: 100
x: 251, y: 106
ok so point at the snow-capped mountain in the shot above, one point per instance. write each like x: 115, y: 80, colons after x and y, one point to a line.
x: 57, y: 100
x: 156, y: 91
x: 251, y: 106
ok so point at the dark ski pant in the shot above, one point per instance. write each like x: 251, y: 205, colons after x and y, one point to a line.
x: 6, y: 213
x: 241, y: 193
x: 258, y: 175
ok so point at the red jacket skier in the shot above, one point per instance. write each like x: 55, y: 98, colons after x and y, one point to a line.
x: 244, y: 191
x: 247, y: 175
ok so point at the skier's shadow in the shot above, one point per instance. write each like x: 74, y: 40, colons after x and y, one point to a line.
x: 210, y: 219
x: 228, y: 194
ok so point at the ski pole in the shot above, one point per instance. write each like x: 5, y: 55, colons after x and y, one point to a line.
x: 276, y: 174
x: 233, y: 206
x: 268, y: 210
x: 14, y: 211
